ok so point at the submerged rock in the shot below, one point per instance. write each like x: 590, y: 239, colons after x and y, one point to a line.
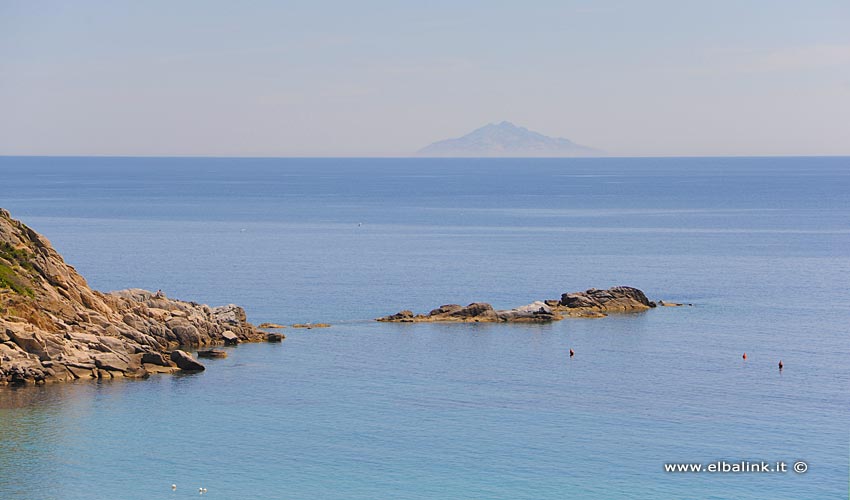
x: 673, y: 304
x: 212, y: 353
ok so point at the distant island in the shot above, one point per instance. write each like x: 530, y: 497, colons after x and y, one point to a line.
x: 506, y: 140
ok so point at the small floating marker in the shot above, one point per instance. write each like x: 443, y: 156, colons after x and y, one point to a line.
x: 572, y: 353
x: 744, y: 356
x: 359, y: 224
x: 173, y: 487
x: 780, y: 365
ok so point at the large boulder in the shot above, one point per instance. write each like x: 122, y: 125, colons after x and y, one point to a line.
x: 154, y: 358
x: 616, y: 299
x: 185, y: 361
x: 578, y: 299
x: 230, y: 338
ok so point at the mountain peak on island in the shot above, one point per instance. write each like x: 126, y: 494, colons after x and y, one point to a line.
x: 505, y: 139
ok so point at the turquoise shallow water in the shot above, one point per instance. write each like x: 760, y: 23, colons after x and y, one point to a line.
x: 369, y: 410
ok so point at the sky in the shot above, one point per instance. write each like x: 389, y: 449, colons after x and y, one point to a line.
x: 386, y: 78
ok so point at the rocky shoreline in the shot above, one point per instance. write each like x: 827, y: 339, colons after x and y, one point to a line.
x: 591, y: 303
x: 54, y: 328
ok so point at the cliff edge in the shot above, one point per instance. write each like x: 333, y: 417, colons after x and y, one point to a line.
x: 54, y: 328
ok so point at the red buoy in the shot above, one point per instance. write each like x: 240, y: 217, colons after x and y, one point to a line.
x: 745, y: 356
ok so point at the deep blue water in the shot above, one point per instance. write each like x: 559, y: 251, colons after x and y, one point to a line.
x: 364, y: 410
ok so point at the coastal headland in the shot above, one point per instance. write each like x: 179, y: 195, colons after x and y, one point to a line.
x: 54, y: 327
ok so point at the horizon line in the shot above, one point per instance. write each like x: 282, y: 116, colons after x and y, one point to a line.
x: 420, y: 157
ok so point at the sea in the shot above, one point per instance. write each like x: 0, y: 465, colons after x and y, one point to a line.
x: 364, y: 410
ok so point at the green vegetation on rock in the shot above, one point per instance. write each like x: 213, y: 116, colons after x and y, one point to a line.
x: 15, y: 255
x: 10, y: 279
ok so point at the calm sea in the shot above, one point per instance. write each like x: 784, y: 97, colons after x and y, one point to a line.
x: 362, y: 410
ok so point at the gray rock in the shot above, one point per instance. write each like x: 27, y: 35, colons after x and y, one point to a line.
x: 185, y: 332
x: 185, y: 361
x: 111, y: 361
x: 536, y: 312
x: 30, y: 342
x: 231, y: 313
x: 230, y: 338
x: 618, y: 298
x: 535, y: 307
x: 154, y: 358
x: 444, y: 309
x: 476, y: 310
x: 575, y: 300
x: 115, y: 344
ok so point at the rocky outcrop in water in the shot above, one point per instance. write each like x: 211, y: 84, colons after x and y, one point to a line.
x: 185, y: 361
x: 590, y: 303
x: 53, y: 327
x: 593, y: 302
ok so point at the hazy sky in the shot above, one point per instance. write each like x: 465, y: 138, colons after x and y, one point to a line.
x: 363, y: 77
